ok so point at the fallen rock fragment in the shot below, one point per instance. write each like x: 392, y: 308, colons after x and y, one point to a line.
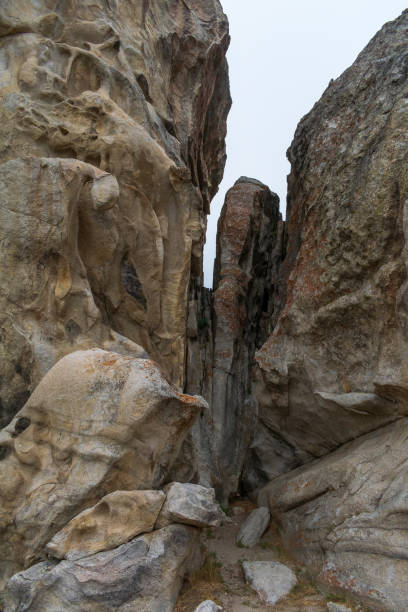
x: 208, y: 606
x: 190, y: 504
x: 115, y: 519
x: 252, y: 529
x: 145, y: 574
x: 270, y: 579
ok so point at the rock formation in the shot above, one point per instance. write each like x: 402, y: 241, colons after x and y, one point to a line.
x: 226, y: 326
x: 144, y: 574
x: 112, y: 127
x: 334, y: 368
x: 98, y: 422
x: 104, y: 243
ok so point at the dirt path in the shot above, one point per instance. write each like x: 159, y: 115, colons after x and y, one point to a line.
x: 222, y: 578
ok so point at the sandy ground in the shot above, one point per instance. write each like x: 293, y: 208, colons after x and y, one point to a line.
x: 224, y: 581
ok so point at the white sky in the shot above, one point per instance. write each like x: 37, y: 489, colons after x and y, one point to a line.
x: 282, y: 56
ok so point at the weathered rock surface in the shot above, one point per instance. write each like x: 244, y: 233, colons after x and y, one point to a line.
x: 226, y: 327
x: 95, y: 251
x: 208, y: 606
x: 345, y: 515
x: 97, y: 422
x: 343, y: 327
x: 336, y: 607
x: 115, y: 519
x: 145, y: 574
x: 190, y: 504
x: 270, y: 579
x: 253, y: 527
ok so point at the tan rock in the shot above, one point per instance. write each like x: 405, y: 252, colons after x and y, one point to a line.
x: 115, y: 519
x: 97, y: 422
x: 139, y: 91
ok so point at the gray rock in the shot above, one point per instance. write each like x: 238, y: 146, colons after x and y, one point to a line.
x: 336, y: 607
x: 208, y: 606
x: 190, y: 504
x: 345, y: 516
x: 270, y: 579
x: 252, y: 529
x: 145, y: 574
x: 232, y: 321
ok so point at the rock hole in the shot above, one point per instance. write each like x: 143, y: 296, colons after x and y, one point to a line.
x: 131, y: 282
x: 144, y: 86
x: 21, y: 424
x: 4, y: 452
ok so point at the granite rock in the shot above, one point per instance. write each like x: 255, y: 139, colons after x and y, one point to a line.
x: 145, y: 574
x: 208, y: 606
x: 270, y: 579
x: 115, y: 519
x: 134, y: 96
x: 98, y: 422
x: 345, y: 517
x: 334, y: 367
x: 253, y: 527
x: 227, y: 325
x: 190, y: 504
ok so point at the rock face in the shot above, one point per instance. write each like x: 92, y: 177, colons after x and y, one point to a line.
x: 226, y: 327
x: 343, y: 328
x: 144, y: 575
x: 115, y: 519
x: 333, y: 373
x: 98, y: 422
x: 105, y: 242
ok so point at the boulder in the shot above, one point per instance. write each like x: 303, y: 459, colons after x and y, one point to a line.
x: 98, y: 422
x: 270, y: 579
x: 253, y: 527
x: 345, y: 516
x: 190, y: 504
x: 115, y: 519
x: 208, y: 606
x: 145, y: 574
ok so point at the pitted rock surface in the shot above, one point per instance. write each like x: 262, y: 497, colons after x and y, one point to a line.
x: 134, y: 95
x: 98, y: 422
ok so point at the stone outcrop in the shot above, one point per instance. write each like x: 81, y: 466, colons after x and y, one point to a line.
x: 331, y: 381
x: 145, y: 574
x: 334, y: 367
x: 98, y: 422
x: 112, y: 126
x: 226, y: 326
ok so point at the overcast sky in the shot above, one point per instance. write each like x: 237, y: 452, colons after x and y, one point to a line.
x: 282, y: 56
